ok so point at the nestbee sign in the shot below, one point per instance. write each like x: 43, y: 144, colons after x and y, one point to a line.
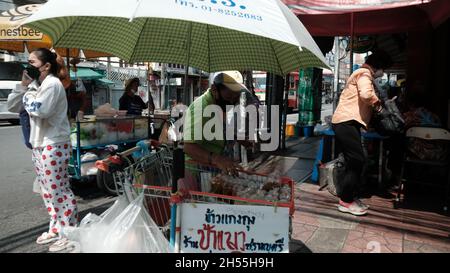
x: 217, y: 228
x: 10, y: 21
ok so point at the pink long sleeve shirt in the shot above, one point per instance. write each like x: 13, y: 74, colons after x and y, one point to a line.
x: 357, y: 98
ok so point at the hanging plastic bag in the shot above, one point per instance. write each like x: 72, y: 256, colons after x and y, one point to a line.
x: 88, y: 164
x: 92, y: 226
x: 128, y: 230
x: 79, y: 86
x: 134, y: 231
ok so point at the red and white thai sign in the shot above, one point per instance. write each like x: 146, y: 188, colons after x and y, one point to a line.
x: 217, y: 228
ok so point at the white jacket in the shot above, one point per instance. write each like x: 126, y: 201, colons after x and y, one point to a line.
x: 15, y: 98
x: 47, y: 108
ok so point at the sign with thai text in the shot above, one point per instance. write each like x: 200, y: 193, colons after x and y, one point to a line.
x: 217, y: 228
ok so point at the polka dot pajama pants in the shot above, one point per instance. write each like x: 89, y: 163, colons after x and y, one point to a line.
x: 51, y: 163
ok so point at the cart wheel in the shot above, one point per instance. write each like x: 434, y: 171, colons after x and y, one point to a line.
x: 105, y: 182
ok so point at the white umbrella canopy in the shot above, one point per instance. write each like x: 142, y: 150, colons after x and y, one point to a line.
x: 211, y: 35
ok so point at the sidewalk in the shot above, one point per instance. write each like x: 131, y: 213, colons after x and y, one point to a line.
x: 319, y: 227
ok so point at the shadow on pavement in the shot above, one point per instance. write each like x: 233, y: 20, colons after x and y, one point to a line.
x: 297, y: 246
x: 20, y: 240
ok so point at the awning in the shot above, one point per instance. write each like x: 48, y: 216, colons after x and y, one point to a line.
x: 104, y: 81
x: 85, y: 74
x: 332, y: 18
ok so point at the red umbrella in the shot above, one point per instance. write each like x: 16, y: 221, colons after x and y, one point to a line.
x: 336, y: 17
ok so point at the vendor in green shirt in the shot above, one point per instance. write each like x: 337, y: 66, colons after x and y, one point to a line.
x: 226, y: 90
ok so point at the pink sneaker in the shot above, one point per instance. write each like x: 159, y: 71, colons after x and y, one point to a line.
x: 353, y: 208
x: 361, y: 204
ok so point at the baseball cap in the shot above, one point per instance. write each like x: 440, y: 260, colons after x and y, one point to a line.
x: 231, y: 79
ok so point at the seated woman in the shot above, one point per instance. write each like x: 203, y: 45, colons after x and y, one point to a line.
x: 131, y: 102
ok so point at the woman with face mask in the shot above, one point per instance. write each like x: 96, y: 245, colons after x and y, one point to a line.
x: 50, y: 138
x: 356, y: 103
x: 130, y: 101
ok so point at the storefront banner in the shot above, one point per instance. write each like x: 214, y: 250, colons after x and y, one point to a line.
x: 10, y: 21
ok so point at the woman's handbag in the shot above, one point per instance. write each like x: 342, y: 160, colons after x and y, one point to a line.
x: 389, y: 120
x: 331, y: 172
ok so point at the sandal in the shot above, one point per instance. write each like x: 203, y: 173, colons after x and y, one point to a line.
x: 46, y: 238
x: 64, y: 244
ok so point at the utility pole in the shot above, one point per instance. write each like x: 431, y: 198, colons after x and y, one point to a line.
x: 163, y: 85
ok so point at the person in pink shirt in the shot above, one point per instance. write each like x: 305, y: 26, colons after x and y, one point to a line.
x: 356, y: 104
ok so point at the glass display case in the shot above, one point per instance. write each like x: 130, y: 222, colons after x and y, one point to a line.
x: 108, y: 130
x: 93, y: 135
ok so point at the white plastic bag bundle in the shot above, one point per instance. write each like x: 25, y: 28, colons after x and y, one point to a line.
x: 88, y: 168
x: 122, y: 229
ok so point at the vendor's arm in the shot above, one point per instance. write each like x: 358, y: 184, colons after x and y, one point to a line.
x: 197, y: 153
x: 41, y: 104
x: 84, y: 102
x: 367, y: 91
x: 124, y: 103
x: 142, y: 103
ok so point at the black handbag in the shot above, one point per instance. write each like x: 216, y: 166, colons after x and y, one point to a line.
x: 332, y: 172
x: 389, y: 120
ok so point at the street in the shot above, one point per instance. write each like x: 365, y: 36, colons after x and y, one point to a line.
x: 23, y: 216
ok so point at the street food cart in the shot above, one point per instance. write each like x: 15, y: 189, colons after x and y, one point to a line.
x: 215, y: 211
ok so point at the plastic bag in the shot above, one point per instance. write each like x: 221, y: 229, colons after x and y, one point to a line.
x: 88, y: 168
x: 92, y: 225
x: 105, y: 110
x: 389, y: 121
x: 123, y: 229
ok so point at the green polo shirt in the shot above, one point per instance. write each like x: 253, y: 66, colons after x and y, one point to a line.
x: 196, y: 120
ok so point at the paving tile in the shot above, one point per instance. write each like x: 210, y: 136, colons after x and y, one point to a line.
x: 373, y: 242
x: 303, y: 233
x: 305, y: 218
x: 429, y: 240
x: 327, y: 240
x: 351, y: 249
x: 330, y: 222
x: 353, y: 235
x: 411, y: 246
x: 425, y: 248
x: 360, y: 243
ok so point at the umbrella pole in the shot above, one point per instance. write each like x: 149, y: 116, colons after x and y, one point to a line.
x: 68, y: 57
x: 285, y: 106
x: 186, y: 71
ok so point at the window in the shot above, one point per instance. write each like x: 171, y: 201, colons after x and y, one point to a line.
x: 291, y: 82
x: 11, y: 71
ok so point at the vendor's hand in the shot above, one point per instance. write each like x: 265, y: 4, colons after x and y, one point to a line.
x: 26, y: 79
x: 227, y: 165
x: 246, y: 143
x: 378, y: 106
